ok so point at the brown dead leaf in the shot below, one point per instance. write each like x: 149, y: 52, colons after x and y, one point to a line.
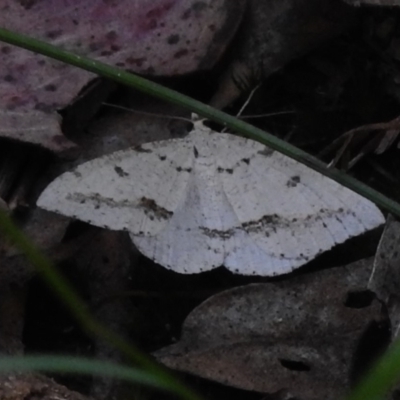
x: 385, y: 280
x: 385, y: 276
x: 275, y: 32
x: 34, y: 386
x: 162, y: 37
x: 298, y: 335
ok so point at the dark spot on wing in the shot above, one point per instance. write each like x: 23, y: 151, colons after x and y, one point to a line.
x: 180, y: 169
x: 270, y: 220
x: 195, y: 152
x: 153, y: 210
x: 120, y: 171
x: 162, y: 158
x: 266, y: 152
x: 97, y: 200
x: 215, y: 233
x: 246, y: 160
x: 269, y: 224
x: 293, y: 181
x: 140, y: 149
x: 228, y: 170
x: 296, y: 178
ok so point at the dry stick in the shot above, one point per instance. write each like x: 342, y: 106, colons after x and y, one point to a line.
x: 349, y: 135
x: 246, y: 103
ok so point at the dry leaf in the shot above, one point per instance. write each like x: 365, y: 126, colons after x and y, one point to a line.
x: 297, y: 335
x: 385, y: 276
x: 162, y: 37
x: 34, y: 386
x: 275, y: 32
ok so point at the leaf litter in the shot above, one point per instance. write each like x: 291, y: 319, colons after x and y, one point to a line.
x: 189, y: 283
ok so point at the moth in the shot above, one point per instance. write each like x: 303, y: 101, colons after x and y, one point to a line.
x: 213, y: 199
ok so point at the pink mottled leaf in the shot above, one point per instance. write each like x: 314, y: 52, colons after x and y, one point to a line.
x: 157, y: 37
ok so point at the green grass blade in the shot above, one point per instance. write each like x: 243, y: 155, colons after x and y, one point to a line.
x: 81, y: 366
x: 142, y: 84
x: 381, y: 378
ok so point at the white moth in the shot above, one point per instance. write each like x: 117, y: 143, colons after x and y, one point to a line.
x: 213, y: 199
